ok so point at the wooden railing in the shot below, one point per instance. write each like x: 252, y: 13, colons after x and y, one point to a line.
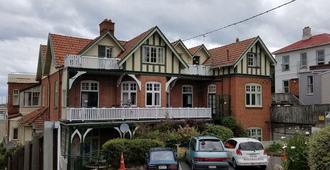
x: 201, y: 70
x: 92, y: 114
x: 91, y: 62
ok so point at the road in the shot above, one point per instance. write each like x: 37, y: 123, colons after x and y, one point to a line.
x: 272, y: 162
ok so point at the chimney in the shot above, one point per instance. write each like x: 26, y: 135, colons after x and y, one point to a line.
x: 307, y: 33
x: 107, y: 26
x: 237, y: 40
x: 227, y: 55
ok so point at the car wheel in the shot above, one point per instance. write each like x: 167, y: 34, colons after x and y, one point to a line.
x: 235, y: 166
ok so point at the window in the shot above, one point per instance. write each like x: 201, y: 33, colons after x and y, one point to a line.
x: 56, y: 94
x: 320, y: 57
x: 89, y: 93
x: 211, y: 97
x: 154, y: 55
x: 128, y: 93
x: 31, y: 97
x: 153, y: 94
x: 105, y: 51
x: 15, y: 133
x: 252, y: 60
x: 303, y: 60
x: 286, y: 86
x: 15, y: 97
x: 285, y: 63
x: 187, y: 95
x: 255, y: 133
x: 253, y: 93
x: 196, y: 60
x: 230, y: 144
x: 310, y: 84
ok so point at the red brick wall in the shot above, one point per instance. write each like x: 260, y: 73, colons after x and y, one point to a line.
x: 11, y: 86
x: 294, y: 87
x: 141, y: 94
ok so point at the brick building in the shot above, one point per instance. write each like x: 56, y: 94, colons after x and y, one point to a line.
x: 88, y: 87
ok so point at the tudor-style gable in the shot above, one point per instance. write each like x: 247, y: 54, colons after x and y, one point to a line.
x: 151, y: 52
x: 183, y: 51
x: 200, y: 54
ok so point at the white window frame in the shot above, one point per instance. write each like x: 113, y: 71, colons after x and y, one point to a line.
x: 153, y: 92
x: 255, y: 135
x: 284, y: 64
x: 252, y: 59
x: 211, y: 90
x: 155, y: 53
x: 89, y: 89
x: 303, y: 65
x: 188, y: 92
x: 34, y: 91
x: 129, y: 91
x: 16, y: 97
x: 107, y: 51
x: 310, y: 85
x: 257, y: 92
x: 286, y: 87
x: 318, y: 61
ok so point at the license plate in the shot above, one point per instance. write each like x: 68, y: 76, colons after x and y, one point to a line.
x: 162, y: 167
x: 212, y: 167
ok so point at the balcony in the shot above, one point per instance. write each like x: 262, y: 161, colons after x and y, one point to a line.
x: 104, y: 114
x: 91, y: 62
x: 201, y: 70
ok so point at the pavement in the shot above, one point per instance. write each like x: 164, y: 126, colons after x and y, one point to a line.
x: 273, y: 161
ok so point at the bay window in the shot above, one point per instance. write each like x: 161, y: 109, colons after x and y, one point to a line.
x: 253, y: 95
x: 153, y: 54
x: 128, y: 93
x: 153, y: 92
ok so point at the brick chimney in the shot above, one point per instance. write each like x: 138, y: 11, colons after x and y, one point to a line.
x: 307, y: 33
x: 237, y: 40
x: 107, y: 26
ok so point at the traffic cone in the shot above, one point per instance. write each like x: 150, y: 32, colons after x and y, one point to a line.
x: 122, y: 162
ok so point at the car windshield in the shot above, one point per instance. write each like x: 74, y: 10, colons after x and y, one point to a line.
x: 210, y: 145
x: 162, y: 156
x: 250, y: 146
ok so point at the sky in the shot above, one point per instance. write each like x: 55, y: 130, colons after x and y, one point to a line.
x: 25, y: 24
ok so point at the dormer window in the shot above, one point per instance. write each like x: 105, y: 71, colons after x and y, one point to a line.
x: 196, y: 60
x: 252, y: 60
x: 105, y: 51
x: 153, y: 54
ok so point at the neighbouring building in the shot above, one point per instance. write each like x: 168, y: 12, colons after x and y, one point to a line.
x: 3, y: 122
x: 297, y: 58
x: 89, y: 87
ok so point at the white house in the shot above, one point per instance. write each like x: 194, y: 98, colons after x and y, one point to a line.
x: 297, y: 58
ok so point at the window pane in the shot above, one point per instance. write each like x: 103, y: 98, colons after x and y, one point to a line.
x: 253, y: 97
x: 156, y: 87
x: 125, y: 98
x: 133, y: 98
x: 157, y: 99
x: 247, y: 99
x: 149, y: 98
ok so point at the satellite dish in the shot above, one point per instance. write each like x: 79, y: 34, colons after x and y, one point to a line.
x: 124, y: 128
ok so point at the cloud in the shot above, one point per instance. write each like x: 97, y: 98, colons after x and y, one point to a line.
x: 26, y: 23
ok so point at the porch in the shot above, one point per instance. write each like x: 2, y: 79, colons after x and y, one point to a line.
x: 157, y: 113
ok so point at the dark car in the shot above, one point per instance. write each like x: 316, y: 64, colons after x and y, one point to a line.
x: 161, y: 158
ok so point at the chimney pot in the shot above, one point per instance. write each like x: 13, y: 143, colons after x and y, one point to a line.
x: 107, y: 26
x: 307, y: 33
x: 237, y: 40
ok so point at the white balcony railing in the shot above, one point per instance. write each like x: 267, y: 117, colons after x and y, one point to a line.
x: 201, y: 70
x: 92, y: 114
x: 91, y: 62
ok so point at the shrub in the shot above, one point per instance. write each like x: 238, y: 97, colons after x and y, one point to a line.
x: 319, y: 149
x: 275, y: 149
x: 134, y: 150
x: 296, y: 151
x: 221, y: 132
x: 231, y: 123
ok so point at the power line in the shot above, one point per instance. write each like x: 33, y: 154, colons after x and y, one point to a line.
x: 241, y: 21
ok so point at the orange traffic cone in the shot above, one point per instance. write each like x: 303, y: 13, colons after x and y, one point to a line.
x: 122, y: 162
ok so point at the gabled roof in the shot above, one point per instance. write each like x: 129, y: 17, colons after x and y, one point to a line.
x: 99, y: 38
x: 35, y: 117
x: 179, y: 42
x: 41, y: 60
x: 235, y: 50
x: 194, y: 50
x: 314, y: 41
x: 62, y: 45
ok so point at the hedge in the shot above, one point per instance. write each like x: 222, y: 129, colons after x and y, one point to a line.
x: 296, y: 151
x: 319, y: 149
x: 134, y: 150
x: 221, y: 132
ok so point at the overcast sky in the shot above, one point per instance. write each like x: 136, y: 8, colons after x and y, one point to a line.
x: 26, y: 24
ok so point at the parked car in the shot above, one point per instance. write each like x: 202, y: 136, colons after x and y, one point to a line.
x: 206, y: 152
x: 246, y: 152
x: 161, y: 158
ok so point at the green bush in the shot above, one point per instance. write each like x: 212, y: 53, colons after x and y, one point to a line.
x: 134, y: 150
x: 275, y: 149
x: 231, y: 123
x: 3, y: 156
x: 296, y: 151
x: 319, y: 149
x: 221, y: 132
